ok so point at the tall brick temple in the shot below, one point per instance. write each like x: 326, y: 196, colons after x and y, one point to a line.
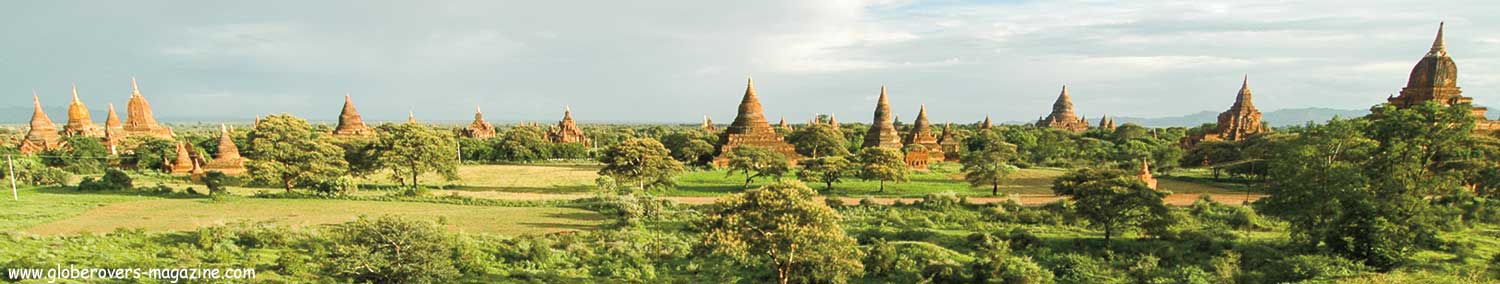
x: 750, y: 128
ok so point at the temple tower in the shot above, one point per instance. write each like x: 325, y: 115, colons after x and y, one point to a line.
x: 1242, y: 119
x: 1145, y: 175
x: 921, y: 134
x: 350, y: 122
x: 567, y: 131
x: 479, y: 129
x: 43, y: 134
x: 79, y: 122
x: 1435, y: 78
x: 184, y: 162
x: 708, y: 125
x: 1107, y: 123
x: 833, y: 122
x: 114, y: 131
x: 1062, y: 116
x: 783, y: 125
x: 950, y: 143
x: 139, y: 119
x: 227, y: 160
x: 751, y: 128
x: 986, y: 124
x: 882, y: 131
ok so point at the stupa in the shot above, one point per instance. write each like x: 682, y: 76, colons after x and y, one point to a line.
x: 950, y: 144
x: 184, y: 162
x: 1145, y: 175
x: 114, y: 131
x: 1435, y: 78
x: 1062, y: 116
x: 882, y: 131
x: 567, y: 131
x: 350, y: 123
x: 921, y: 134
x: 479, y: 129
x: 708, y: 125
x: 138, y: 117
x: 79, y: 122
x: 43, y: 134
x: 1241, y: 119
x: 227, y: 160
x: 1107, y: 123
x: 750, y: 128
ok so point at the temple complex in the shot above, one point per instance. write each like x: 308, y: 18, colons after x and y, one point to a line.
x: 184, y: 163
x: 783, y: 125
x: 43, y: 134
x: 950, y: 144
x: 1107, y: 123
x: 708, y: 125
x: 1145, y: 175
x: 79, y: 122
x: 227, y: 160
x: 350, y: 123
x: 138, y: 117
x: 750, y: 128
x: 921, y: 134
x: 1435, y: 78
x: 1062, y: 116
x: 567, y: 131
x: 479, y: 129
x: 114, y: 131
x: 1241, y: 119
x: 882, y: 131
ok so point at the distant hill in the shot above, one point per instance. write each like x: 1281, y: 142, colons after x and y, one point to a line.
x: 1284, y: 117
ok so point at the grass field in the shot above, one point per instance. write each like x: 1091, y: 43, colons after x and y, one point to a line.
x: 61, y: 211
x: 574, y: 178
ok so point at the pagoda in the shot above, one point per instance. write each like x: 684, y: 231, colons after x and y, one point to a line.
x: 1145, y: 175
x: 138, y: 117
x: 1062, y: 116
x: 79, y: 122
x: 350, y: 123
x: 1241, y: 120
x: 708, y: 125
x: 114, y: 131
x: 783, y: 125
x: 43, y: 134
x: 750, y: 128
x: 479, y: 129
x: 921, y: 134
x: 567, y: 131
x: 184, y: 162
x: 1435, y: 78
x: 1107, y: 123
x: 950, y: 143
x: 833, y: 122
x: 986, y: 124
x: 227, y: 160
x: 882, y: 131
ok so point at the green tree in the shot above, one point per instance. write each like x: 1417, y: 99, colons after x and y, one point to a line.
x: 522, y: 143
x: 818, y: 140
x: 391, y: 249
x: 691, y: 147
x: 779, y: 227
x: 644, y: 162
x: 83, y: 155
x: 148, y: 152
x: 288, y: 153
x: 989, y: 166
x: 1111, y: 199
x: 883, y: 164
x: 755, y: 162
x: 826, y: 170
x: 409, y: 150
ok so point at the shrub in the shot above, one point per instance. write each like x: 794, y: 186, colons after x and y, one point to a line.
x: 391, y: 249
x: 339, y: 187
x: 939, y: 201
x: 215, y: 181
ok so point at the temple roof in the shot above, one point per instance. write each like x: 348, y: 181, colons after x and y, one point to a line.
x: 1436, y: 70
x: 751, y: 117
x: 227, y: 149
x: 1243, y: 99
x: 882, y: 131
x: 41, y: 125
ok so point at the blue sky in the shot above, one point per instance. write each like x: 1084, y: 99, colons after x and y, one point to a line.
x: 675, y: 61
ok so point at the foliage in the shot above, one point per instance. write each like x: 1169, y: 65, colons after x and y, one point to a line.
x: 818, y: 140
x: 1112, y: 199
x: 827, y: 170
x: 83, y: 155
x: 779, y: 227
x: 409, y: 150
x: 989, y: 165
x: 756, y: 162
x: 391, y: 249
x: 644, y: 162
x: 286, y: 152
x: 882, y: 164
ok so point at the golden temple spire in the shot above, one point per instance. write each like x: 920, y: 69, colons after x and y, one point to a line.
x: 1438, y: 48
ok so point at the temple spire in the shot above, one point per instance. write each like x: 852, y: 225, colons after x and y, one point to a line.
x: 75, y: 94
x: 135, y: 89
x: 1438, y: 48
x: 1243, y: 99
x: 411, y: 117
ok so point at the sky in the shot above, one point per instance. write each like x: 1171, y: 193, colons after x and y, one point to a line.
x: 678, y: 60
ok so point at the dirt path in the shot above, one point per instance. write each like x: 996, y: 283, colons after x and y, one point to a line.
x: 1181, y: 199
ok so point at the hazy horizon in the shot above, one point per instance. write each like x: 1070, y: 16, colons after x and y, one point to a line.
x: 676, y: 61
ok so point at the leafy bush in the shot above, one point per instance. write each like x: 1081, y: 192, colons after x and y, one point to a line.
x: 391, y: 249
x: 113, y: 179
